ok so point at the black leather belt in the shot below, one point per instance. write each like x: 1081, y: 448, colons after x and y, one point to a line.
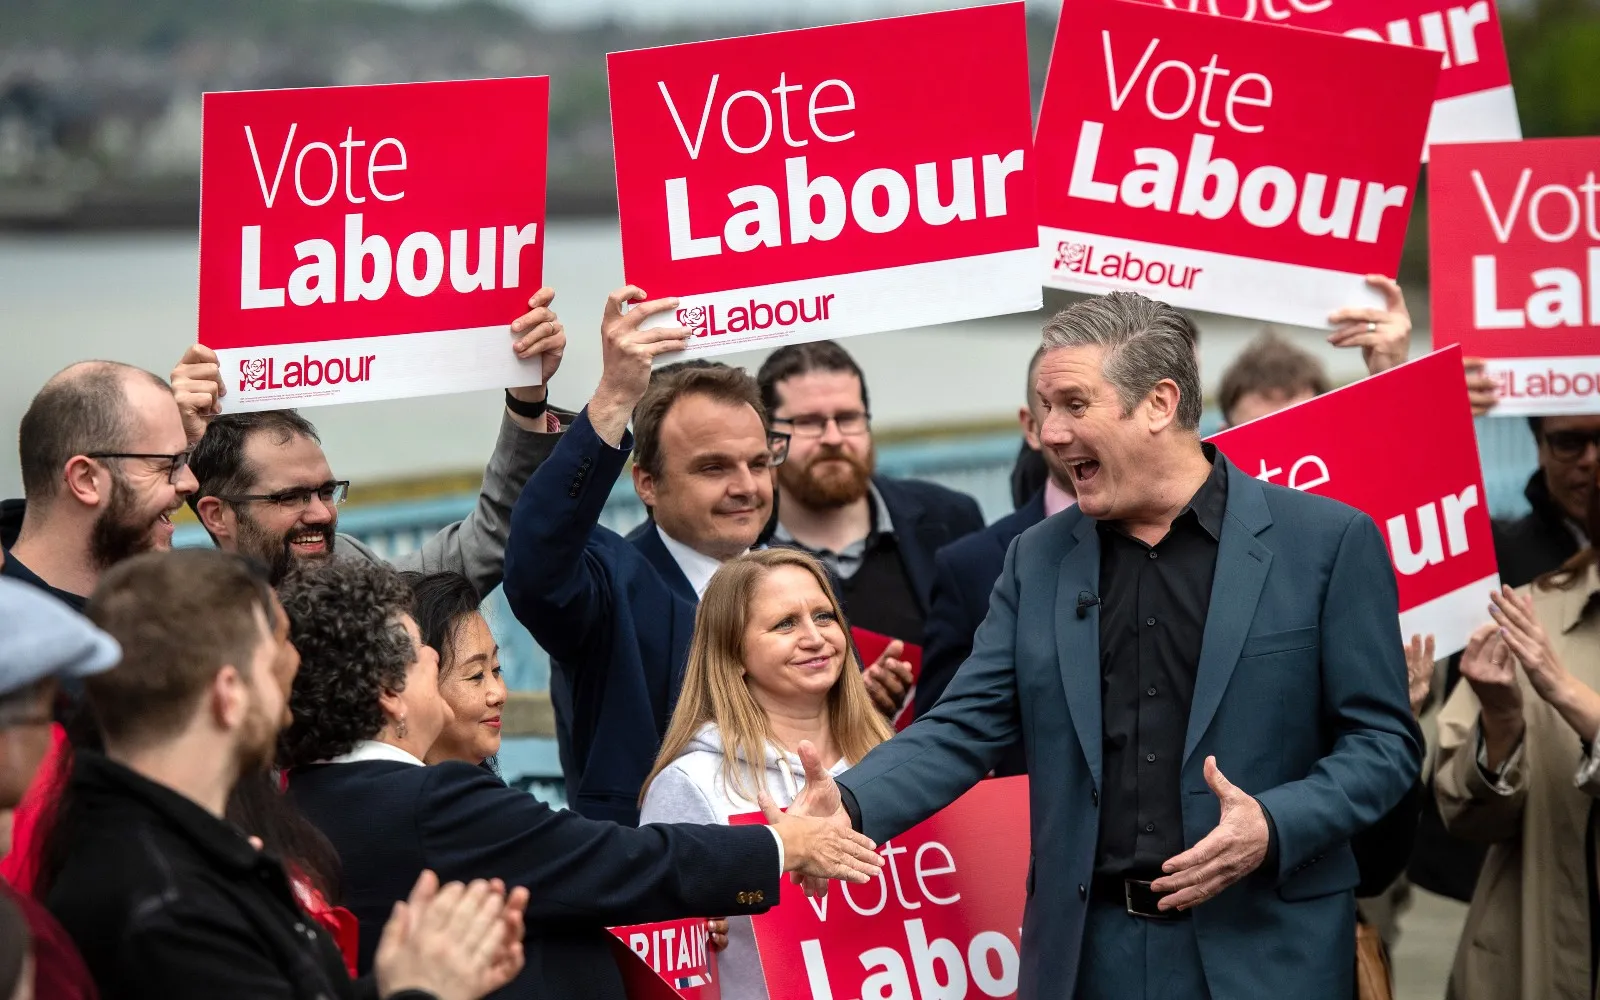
x: 1134, y: 895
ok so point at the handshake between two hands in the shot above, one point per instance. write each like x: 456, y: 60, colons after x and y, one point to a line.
x: 820, y: 845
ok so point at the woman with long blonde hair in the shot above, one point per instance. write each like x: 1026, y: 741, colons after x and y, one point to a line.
x: 770, y: 666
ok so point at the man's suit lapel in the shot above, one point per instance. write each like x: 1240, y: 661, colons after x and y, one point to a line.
x: 1078, y: 640
x: 1242, y: 564
x: 647, y: 539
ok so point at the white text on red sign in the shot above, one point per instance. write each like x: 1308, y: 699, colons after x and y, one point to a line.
x: 1266, y: 197
x: 417, y: 265
x: 1459, y: 45
x: 990, y: 961
x: 1554, y: 213
x: 1309, y: 472
x: 760, y: 222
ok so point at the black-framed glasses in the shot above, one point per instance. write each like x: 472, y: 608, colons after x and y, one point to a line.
x: 778, y: 445
x: 1569, y: 446
x: 814, y: 425
x: 175, y: 463
x: 330, y: 493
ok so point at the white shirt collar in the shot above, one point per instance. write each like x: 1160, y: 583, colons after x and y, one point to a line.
x: 698, y: 567
x: 374, y: 750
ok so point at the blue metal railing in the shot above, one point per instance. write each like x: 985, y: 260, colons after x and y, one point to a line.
x: 979, y: 465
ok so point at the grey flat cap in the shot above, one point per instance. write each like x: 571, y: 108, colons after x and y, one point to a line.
x: 41, y: 637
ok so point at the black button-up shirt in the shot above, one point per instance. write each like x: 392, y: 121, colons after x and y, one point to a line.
x: 1153, y: 603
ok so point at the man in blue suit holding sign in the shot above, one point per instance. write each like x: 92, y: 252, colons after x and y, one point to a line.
x: 1183, y: 620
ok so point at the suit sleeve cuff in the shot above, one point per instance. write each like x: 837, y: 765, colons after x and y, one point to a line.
x: 781, y: 862
x: 851, y: 807
x: 1270, y: 862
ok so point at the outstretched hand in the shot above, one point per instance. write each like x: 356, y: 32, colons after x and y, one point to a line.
x: 1224, y: 856
x: 824, y: 845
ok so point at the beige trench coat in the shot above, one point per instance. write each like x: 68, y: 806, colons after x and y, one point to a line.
x: 1527, y: 932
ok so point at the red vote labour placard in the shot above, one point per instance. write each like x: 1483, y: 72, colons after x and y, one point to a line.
x: 943, y: 917
x: 1474, y: 102
x: 830, y: 181
x: 1422, y: 484
x: 1189, y: 158
x: 1515, y: 248
x: 375, y: 242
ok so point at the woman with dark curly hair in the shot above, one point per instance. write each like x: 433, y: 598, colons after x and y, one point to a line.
x: 364, y: 701
x: 445, y: 606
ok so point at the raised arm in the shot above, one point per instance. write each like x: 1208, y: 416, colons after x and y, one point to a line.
x: 555, y: 583
x: 476, y: 545
x: 1377, y: 747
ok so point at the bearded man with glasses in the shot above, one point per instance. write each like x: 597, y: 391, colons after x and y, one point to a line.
x: 105, y: 463
x: 876, y: 535
x: 266, y: 489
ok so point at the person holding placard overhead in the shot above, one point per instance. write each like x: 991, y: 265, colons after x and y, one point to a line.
x: 1211, y: 668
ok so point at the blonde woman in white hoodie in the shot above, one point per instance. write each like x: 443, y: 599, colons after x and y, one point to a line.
x: 770, y: 666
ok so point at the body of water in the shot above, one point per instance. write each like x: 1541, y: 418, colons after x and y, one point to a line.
x: 131, y: 297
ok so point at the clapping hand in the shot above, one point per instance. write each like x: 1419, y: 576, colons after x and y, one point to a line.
x: 889, y: 679
x: 1384, y: 335
x: 1224, y: 856
x: 1419, y: 671
x: 1528, y: 641
x: 458, y: 942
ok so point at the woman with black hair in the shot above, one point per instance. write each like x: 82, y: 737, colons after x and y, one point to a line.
x: 445, y: 606
x: 367, y: 711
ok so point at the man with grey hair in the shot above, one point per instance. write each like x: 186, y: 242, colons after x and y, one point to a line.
x: 1182, y: 619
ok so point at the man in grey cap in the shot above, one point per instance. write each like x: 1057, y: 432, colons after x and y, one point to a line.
x: 42, y: 644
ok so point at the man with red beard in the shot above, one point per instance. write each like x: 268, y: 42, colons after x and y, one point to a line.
x: 876, y: 535
x: 104, y: 463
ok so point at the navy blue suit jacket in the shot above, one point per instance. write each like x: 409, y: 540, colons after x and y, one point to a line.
x: 1300, y: 693
x: 615, y: 614
x: 389, y: 820
x: 964, y: 573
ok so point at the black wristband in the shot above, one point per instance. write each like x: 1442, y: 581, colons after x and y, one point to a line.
x: 532, y: 411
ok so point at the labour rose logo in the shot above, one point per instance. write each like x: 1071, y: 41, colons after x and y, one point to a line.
x: 694, y: 318
x: 252, y: 374
x: 1070, y: 256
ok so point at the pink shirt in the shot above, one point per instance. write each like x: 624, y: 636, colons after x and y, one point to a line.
x: 1056, y: 499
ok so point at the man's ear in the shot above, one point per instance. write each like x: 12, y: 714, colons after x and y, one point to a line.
x: 229, y: 698
x: 213, y: 515
x: 1161, y: 405
x: 644, y: 484
x: 1030, y: 428
x: 86, y: 481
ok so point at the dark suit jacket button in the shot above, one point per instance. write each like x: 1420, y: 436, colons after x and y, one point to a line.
x: 1082, y: 892
x: 758, y: 896
x: 1094, y: 795
x: 585, y: 463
